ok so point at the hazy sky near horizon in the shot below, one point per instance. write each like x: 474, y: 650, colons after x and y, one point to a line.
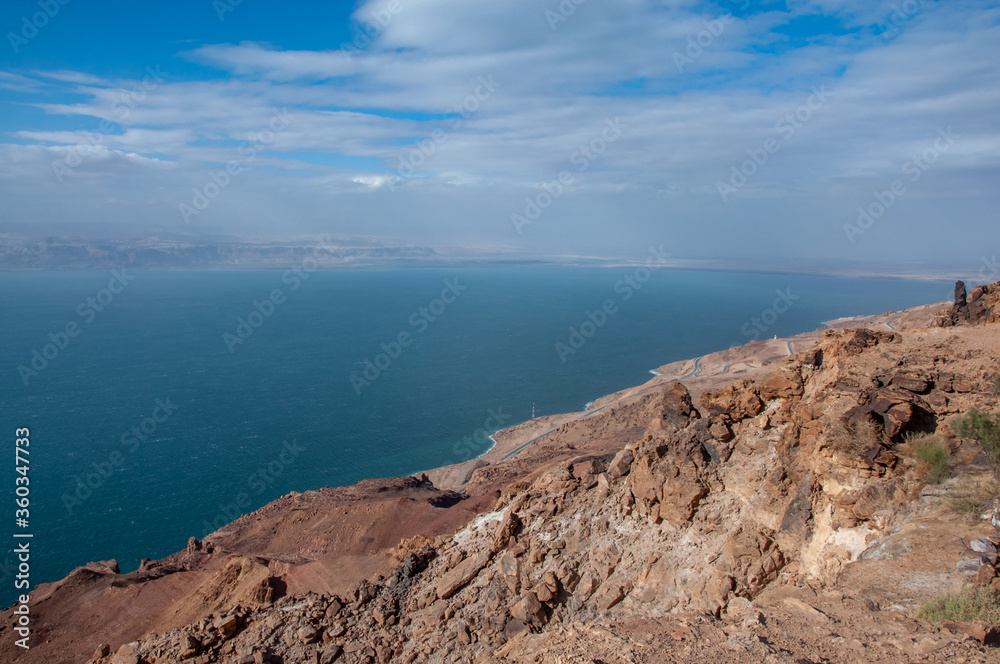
x: 733, y: 130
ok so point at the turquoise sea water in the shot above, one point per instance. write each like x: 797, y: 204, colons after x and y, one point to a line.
x: 148, y: 424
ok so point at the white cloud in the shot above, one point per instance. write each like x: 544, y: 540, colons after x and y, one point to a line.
x: 374, y: 138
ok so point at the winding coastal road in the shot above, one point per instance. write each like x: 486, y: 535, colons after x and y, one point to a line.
x: 512, y: 453
x: 696, y: 372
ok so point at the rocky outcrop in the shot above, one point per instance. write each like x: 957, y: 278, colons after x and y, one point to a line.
x: 979, y: 307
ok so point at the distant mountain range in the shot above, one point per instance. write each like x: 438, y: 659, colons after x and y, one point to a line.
x: 216, y: 252
x: 158, y: 253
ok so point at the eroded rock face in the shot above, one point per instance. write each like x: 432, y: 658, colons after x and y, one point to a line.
x: 783, y: 385
x: 979, y: 307
x: 897, y: 408
x: 735, y: 402
x: 751, y: 560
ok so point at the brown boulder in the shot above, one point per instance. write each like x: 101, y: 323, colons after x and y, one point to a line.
x: 680, y: 499
x: 897, y: 418
x: 911, y: 382
x: 739, y: 401
x: 464, y: 572
x: 529, y: 610
x: 501, y: 536
x: 621, y: 464
x: 783, y: 385
x: 226, y: 625
x: 677, y: 407
x: 669, y: 486
x: 584, y: 468
x: 984, y: 576
x: 963, y: 385
x: 720, y: 431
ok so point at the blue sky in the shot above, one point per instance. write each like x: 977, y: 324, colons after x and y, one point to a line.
x: 734, y: 131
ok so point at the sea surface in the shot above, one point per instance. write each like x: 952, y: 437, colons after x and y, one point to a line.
x: 148, y: 424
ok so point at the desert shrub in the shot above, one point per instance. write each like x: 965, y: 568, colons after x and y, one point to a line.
x: 971, y: 499
x: 980, y: 426
x: 855, y: 437
x: 965, y: 606
x: 932, y: 457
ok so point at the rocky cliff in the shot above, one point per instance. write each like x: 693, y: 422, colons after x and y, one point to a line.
x: 777, y: 515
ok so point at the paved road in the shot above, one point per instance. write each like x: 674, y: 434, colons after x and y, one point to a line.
x: 696, y: 372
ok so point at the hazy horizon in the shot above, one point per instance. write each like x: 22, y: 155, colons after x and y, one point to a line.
x: 798, y: 132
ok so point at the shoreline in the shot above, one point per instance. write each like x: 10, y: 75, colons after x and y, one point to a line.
x: 700, y: 374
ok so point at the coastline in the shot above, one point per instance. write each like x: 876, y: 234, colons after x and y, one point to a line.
x: 331, y: 542
x: 708, y: 372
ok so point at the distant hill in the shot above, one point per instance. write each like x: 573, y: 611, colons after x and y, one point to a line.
x: 156, y: 253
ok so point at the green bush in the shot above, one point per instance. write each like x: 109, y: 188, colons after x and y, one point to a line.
x: 966, y: 606
x: 980, y: 426
x: 931, y: 454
